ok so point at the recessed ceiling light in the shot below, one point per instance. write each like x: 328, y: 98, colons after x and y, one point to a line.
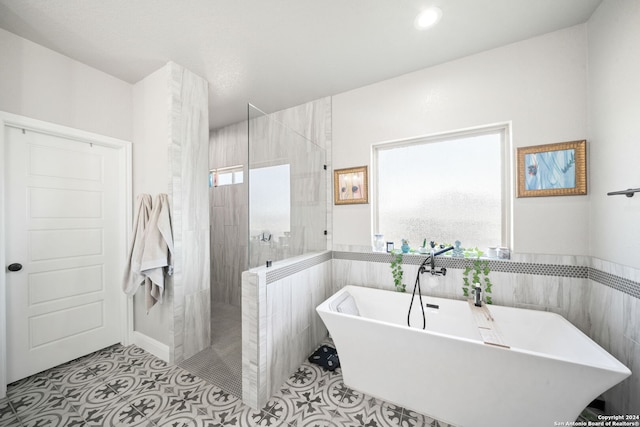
x: 428, y: 18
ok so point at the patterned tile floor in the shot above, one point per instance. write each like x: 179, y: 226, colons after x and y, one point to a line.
x: 125, y: 386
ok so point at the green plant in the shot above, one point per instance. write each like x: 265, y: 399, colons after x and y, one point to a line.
x: 396, y: 271
x: 473, y: 252
x: 477, y: 272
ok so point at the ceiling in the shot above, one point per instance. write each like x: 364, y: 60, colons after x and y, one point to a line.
x: 279, y: 53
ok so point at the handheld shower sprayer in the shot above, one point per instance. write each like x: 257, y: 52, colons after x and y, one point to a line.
x: 431, y: 260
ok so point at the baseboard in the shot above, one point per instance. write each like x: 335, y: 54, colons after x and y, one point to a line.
x: 151, y: 345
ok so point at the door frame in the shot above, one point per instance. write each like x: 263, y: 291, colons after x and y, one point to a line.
x: 125, y: 190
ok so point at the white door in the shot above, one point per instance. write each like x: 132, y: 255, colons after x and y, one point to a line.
x: 64, y: 226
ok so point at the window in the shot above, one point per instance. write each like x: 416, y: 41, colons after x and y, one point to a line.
x: 270, y: 201
x: 444, y: 188
x: 226, y: 176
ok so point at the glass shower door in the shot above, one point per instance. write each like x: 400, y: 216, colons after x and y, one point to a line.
x: 287, y: 191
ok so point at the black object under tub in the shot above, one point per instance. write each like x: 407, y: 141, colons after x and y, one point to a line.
x: 326, y: 357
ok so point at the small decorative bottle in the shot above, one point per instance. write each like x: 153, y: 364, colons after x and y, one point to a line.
x: 405, y: 246
x: 457, y: 252
x: 378, y: 243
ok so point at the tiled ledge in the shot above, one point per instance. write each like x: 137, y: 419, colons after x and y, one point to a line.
x: 504, y: 266
x: 625, y: 285
x: 281, y: 269
x: 286, y: 268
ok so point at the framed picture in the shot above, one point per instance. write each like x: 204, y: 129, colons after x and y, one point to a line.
x: 350, y: 186
x: 552, y: 169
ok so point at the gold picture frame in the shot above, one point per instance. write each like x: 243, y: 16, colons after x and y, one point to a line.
x: 552, y: 169
x: 351, y: 186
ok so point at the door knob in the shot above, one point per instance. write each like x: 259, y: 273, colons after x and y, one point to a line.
x: 14, y: 267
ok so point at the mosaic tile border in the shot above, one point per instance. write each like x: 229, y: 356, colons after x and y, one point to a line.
x: 280, y: 273
x: 495, y: 265
x: 621, y: 284
x: 616, y: 282
x: 573, y: 271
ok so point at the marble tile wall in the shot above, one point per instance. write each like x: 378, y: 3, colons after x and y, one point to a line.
x: 313, y: 120
x: 286, y: 138
x: 254, y: 360
x: 310, y: 202
x: 614, y: 306
x: 229, y: 216
x: 293, y: 327
x: 189, y: 131
x: 280, y: 326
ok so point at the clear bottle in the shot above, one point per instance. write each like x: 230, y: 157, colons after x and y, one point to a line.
x: 378, y: 243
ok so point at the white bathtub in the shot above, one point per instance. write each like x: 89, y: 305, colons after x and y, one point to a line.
x: 550, y: 373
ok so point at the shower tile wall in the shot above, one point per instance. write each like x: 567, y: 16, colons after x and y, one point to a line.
x: 188, y: 169
x: 607, y: 312
x: 283, y: 138
x: 228, y: 208
x: 280, y: 326
x: 254, y: 361
x: 313, y: 121
x: 293, y: 327
x: 228, y: 211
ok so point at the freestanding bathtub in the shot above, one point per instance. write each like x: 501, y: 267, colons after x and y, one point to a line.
x: 545, y: 372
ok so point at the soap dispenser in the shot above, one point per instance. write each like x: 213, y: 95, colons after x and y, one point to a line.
x: 478, y: 294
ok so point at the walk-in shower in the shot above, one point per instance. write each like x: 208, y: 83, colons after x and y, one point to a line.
x: 287, y: 190
x: 268, y: 202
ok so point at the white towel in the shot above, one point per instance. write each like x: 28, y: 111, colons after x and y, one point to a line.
x: 133, y: 277
x: 158, y: 250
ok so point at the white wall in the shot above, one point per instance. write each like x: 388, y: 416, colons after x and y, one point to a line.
x: 151, y: 133
x: 151, y: 175
x: 539, y: 85
x: 614, y: 134
x: 42, y: 84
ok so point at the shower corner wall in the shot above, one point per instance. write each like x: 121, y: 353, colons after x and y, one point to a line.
x: 228, y: 212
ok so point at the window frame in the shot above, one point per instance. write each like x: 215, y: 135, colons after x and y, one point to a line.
x: 215, y: 173
x: 506, y: 161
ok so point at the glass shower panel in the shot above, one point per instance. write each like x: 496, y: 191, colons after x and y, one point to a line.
x: 287, y: 191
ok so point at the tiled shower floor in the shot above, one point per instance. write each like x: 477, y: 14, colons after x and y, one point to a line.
x: 125, y: 386
x: 221, y: 364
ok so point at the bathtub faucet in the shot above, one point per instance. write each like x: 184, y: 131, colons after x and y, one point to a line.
x: 431, y: 259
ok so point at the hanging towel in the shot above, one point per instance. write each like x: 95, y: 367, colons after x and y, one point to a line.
x: 157, y: 256
x: 133, y: 277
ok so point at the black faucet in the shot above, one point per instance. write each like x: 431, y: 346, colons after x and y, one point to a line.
x: 431, y: 259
